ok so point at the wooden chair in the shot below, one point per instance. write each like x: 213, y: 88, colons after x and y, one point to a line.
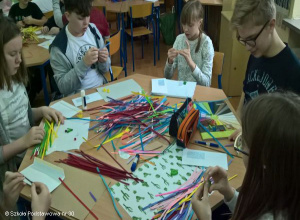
x: 141, y: 11
x: 217, y: 70
x: 114, y: 47
x: 48, y: 14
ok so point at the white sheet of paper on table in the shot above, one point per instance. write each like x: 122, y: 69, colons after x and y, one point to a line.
x: 44, y: 172
x: 204, y: 158
x: 47, y: 36
x: 89, y: 99
x: 66, y: 141
x: 65, y: 108
x: 173, y: 88
x: 119, y: 90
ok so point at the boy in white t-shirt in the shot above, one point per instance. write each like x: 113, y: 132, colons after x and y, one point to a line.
x: 78, y: 55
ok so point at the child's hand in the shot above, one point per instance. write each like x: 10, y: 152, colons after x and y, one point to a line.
x: 91, y: 56
x: 54, y: 31
x: 28, y: 20
x: 186, y: 53
x: 45, y: 30
x: 172, y: 54
x: 12, y: 187
x: 220, y: 182
x: 41, y: 198
x: 200, y: 202
x: 51, y: 113
x: 102, y: 55
x: 34, y: 136
x: 20, y: 24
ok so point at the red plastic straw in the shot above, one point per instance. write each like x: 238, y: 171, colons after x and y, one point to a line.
x: 65, y: 185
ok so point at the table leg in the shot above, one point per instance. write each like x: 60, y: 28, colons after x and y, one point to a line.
x: 157, y: 30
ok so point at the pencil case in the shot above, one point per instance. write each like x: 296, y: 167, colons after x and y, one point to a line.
x: 177, y: 118
x: 187, y: 128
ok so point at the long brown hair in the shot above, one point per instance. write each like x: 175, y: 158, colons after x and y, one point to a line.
x: 271, y: 131
x: 192, y: 12
x: 8, y: 31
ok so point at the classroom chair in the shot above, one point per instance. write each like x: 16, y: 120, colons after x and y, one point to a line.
x: 114, y: 47
x: 217, y: 69
x: 141, y: 11
x: 48, y: 14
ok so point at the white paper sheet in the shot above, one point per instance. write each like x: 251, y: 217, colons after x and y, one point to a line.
x: 89, y: 99
x: 46, y: 36
x: 173, y: 88
x: 119, y: 90
x: 44, y: 172
x: 204, y: 158
x: 66, y: 141
x: 65, y: 108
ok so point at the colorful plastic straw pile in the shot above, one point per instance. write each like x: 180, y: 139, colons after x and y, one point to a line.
x: 177, y: 203
x: 89, y: 163
x: 136, y: 121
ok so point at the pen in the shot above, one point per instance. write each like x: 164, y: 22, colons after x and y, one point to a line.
x: 83, y: 98
x: 135, y: 163
x: 207, y: 143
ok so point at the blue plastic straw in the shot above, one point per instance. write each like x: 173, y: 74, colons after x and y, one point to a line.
x: 112, y: 197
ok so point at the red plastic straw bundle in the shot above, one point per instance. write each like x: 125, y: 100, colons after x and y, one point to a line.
x: 89, y: 163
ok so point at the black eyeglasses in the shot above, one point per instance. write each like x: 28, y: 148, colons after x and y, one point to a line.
x: 251, y: 42
x: 238, y: 143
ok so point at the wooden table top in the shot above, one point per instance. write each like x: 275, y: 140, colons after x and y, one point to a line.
x: 104, y: 207
x: 35, y: 55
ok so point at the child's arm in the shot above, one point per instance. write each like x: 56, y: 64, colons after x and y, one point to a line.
x: 172, y: 60
x: 220, y: 182
x: 33, y: 137
x: 57, y: 13
x: 48, y: 113
x: 67, y: 77
x: 200, y: 202
x: 41, y: 199
x: 29, y: 20
x: 201, y: 72
x: 103, y: 55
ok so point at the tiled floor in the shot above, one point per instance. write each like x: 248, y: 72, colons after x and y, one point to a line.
x: 142, y: 66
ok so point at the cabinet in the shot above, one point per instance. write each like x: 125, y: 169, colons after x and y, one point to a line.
x: 235, y: 60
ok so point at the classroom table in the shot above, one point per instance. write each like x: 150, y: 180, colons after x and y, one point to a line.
x: 36, y: 56
x: 104, y: 207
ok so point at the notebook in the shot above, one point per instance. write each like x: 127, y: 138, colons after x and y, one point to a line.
x: 217, y: 118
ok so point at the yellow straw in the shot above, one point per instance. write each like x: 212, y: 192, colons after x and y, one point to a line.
x: 232, y: 177
x: 89, y: 143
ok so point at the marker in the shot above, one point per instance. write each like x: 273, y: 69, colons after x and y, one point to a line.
x: 135, y: 163
x: 207, y: 143
x: 83, y: 99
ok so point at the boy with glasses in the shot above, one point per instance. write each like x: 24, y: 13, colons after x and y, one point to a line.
x: 272, y: 65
